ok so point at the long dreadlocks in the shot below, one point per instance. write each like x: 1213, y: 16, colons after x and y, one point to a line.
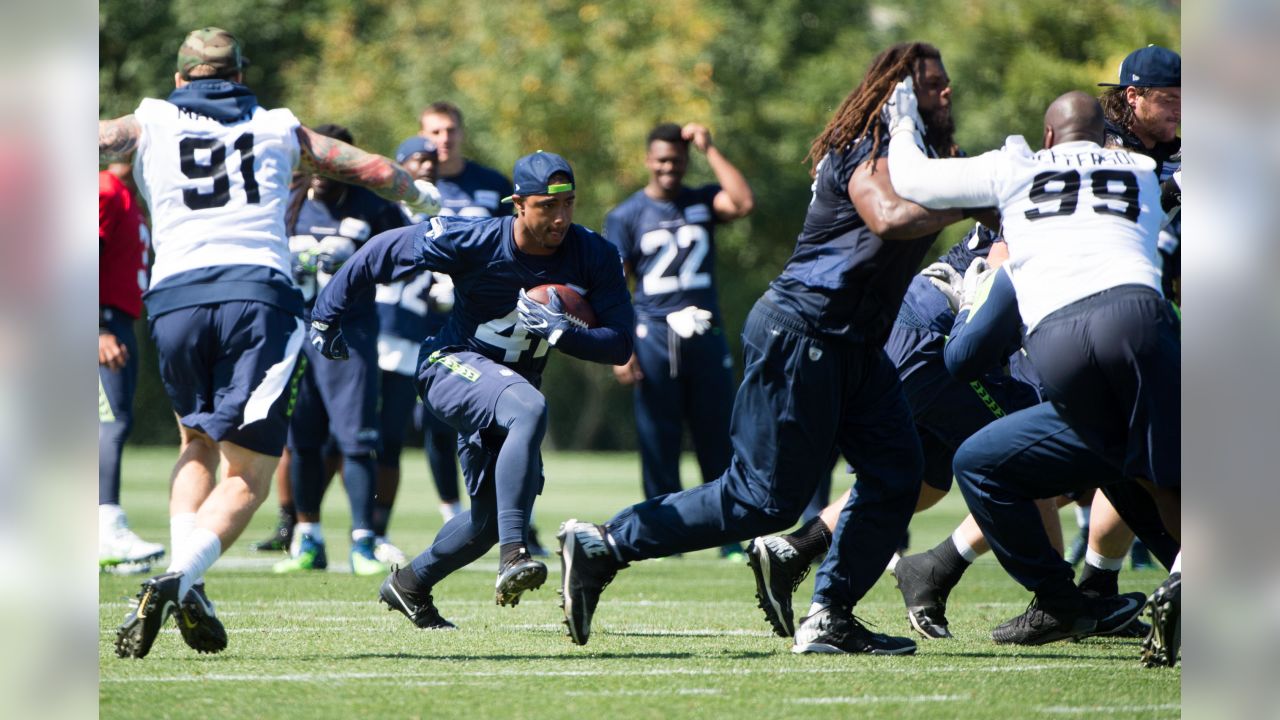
x: 859, y: 114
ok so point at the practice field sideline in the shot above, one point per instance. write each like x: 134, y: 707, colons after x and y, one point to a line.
x: 674, y: 638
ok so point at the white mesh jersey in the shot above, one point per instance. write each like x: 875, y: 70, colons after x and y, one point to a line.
x: 217, y: 192
x: 1078, y: 218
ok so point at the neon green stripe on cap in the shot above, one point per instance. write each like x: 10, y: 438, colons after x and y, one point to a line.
x: 559, y: 188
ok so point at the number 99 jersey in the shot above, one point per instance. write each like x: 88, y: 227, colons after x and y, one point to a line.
x: 217, y: 191
x: 669, y: 246
x: 1078, y: 219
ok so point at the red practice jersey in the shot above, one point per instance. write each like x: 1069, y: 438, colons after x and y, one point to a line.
x: 123, y: 241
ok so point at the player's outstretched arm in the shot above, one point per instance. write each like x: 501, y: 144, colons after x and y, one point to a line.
x: 987, y: 329
x: 118, y: 139
x: 735, y: 199
x: 386, y: 257
x: 886, y: 213
x: 332, y: 158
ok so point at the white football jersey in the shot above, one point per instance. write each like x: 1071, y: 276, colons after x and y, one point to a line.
x: 217, y: 192
x: 1078, y: 218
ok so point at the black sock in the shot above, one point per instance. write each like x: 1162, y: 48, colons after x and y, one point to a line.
x: 289, y: 514
x: 511, y: 552
x: 1096, y: 582
x: 381, y: 518
x: 407, y: 579
x: 949, y: 562
x: 812, y: 539
x: 1060, y: 595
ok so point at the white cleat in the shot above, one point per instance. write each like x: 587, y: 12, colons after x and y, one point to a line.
x: 389, y: 554
x: 121, y: 546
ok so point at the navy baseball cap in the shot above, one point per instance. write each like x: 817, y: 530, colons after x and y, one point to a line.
x: 1151, y: 66
x: 415, y: 144
x: 533, y: 173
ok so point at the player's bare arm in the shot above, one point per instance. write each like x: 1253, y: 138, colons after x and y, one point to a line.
x: 735, y: 199
x: 118, y: 139
x: 335, y: 159
x: 886, y: 213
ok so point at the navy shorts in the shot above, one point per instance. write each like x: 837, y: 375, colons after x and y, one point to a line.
x: 229, y: 370
x: 340, y: 397
x: 1111, y: 363
x: 461, y: 387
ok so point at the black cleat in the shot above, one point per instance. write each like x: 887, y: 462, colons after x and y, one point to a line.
x: 925, y: 591
x: 1160, y: 648
x: 587, y: 564
x: 280, y: 538
x: 1098, y: 616
x: 416, y: 606
x: 157, y: 599
x: 779, y: 570
x: 200, y: 627
x: 1115, y: 614
x: 832, y: 631
x: 521, y: 574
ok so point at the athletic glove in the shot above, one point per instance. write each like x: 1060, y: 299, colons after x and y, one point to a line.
x: 328, y: 341
x: 440, y: 294
x: 902, y: 111
x: 975, y: 277
x: 332, y: 252
x: 428, y: 200
x: 690, y: 321
x: 547, y: 321
x: 947, y: 280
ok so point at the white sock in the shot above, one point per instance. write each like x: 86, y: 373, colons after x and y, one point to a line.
x: 816, y: 608
x: 358, y: 535
x: 1102, y: 563
x: 109, y: 518
x: 1082, y: 515
x: 202, y: 549
x: 305, y: 528
x: 963, y: 547
x: 1177, y: 564
x: 180, y: 527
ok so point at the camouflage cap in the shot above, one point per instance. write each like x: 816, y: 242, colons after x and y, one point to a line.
x: 211, y: 46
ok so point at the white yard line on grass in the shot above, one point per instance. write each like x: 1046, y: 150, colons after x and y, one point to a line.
x: 868, y: 699
x: 1098, y: 709
x: 502, y: 676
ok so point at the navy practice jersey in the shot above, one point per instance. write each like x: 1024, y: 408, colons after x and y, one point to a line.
x: 488, y: 272
x: 670, y: 246
x: 321, y: 220
x: 477, y: 191
x: 842, y: 279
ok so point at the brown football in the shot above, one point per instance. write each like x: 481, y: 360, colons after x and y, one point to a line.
x: 575, y: 306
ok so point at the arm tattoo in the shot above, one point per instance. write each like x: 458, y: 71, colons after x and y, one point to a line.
x: 118, y: 139
x: 335, y: 159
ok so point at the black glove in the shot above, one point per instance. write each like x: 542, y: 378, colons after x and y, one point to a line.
x: 328, y: 340
x: 1170, y: 195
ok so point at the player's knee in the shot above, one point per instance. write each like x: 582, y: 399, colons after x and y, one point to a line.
x: 524, y: 409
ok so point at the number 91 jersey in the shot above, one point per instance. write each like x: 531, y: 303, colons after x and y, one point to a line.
x: 217, y: 191
x: 669, y: 246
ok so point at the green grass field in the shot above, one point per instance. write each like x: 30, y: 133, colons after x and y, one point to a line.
x: 672, y: 638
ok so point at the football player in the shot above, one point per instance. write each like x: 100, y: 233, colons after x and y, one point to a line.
x: 1081, y: 223
x: 214, y: 167
x: 480, y: 373
x: 817, y: 382
x: 681, y: 370
x: 330, y: 220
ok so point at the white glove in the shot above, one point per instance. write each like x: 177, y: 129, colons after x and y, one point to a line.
x: 690, y: 321
x: 441, y: 292
x: 428, y: 200
x: 902, y: 111
x: 978, y: 274
x: 333, y: 251
x: 947, y: 280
